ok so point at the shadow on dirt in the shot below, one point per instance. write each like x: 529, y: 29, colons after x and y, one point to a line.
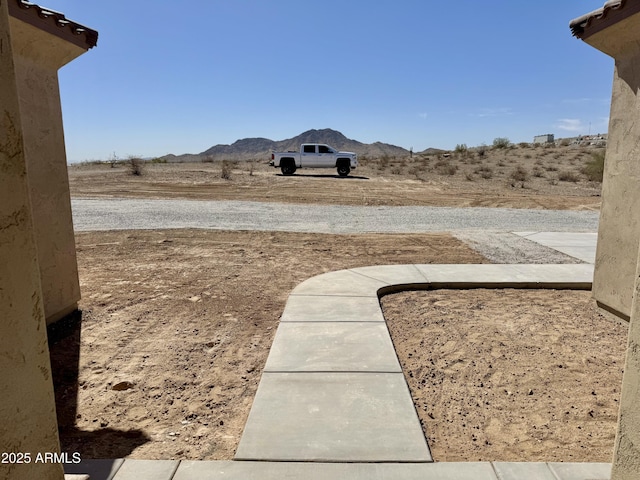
x: 64, y: 351
x: 306, y: 175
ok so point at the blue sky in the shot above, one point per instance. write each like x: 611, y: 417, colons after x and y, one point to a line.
x: 179, y: 77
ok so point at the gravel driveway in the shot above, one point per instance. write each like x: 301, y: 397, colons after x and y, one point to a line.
x: 122, y: 214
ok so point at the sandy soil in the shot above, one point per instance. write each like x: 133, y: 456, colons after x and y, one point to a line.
x: 455, y: 181
x: 176, y: 325
x: 510, y: 375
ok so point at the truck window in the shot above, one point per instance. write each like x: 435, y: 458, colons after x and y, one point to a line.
x: 323, y: 149
x: 309, y: 149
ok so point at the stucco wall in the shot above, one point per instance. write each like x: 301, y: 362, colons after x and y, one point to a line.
x: 37, y: 57
x: 27, y: 410
x: 619, y: 232
x: 616, y: 280
x: 626, y: 465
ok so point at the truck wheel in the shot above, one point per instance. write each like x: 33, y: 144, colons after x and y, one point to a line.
x: 288, y: 169
x: 343, y: 170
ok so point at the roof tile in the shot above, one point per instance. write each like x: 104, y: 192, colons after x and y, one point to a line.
x: 611, y: 12
x: 53, y: 22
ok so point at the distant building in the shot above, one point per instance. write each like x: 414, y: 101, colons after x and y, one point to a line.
x: 548, y: 138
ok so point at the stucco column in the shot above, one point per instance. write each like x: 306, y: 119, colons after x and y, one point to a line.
x: 617, y: 269
x: 626, y: 461
x: 27, y: 408
x: 619, y: 230
x: 37, y: 56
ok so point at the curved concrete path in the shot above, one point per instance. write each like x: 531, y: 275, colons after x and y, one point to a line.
x: 332, y: 388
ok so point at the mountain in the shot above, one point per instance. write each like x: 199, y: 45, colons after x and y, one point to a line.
x: 256, y: 148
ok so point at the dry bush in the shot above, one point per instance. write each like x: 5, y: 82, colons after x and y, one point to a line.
x: 484, y: 171
x: 207, y: 159
x: 520, y: 174
x: 225, y: 169
x: 451, y: 170
x: 594, y: 169
x: 568, y: 176
x: 415, y: 171
x: 136, y: 166
x: 501, y: 142
x: 551, y: 168
x: 538, y: 172
x: 461, y: 149
x: 443, y: 167
x: 383, y: 162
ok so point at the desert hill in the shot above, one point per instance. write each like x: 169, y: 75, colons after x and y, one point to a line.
x: 260, y: 148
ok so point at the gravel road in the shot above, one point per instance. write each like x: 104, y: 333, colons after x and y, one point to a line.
x: 486, y: 230
x: 123, y: 214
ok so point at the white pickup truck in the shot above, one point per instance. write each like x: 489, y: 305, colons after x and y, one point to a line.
x: 314, y: 155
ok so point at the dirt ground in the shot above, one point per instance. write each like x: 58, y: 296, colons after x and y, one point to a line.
x: 176, y: 325
x: 510, y: 375
x: 455, y: 181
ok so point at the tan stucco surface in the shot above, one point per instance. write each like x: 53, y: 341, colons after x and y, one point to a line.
x: 616, y: 283
x: 37, y: 57
x: 626, y: 464
x: 27, y: 411
x: 619, y: 233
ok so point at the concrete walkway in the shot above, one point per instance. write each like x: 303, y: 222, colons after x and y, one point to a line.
x: 333, y: 401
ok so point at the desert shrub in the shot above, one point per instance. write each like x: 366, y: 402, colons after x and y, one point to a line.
x: 551, y: 168
x: 415, y: 170
x: 443, y: 167
x: 520, y: 174
x: 523, y: 145
x: 136, y: 166
x: 484, y: 171
x: 538, y: 172
x: 207, y: 159
x: 568, y: 176
x: 461, y: 149
x: 565, y: 142
x: 383, y: 163
x: 594, y: 169
x: 225, y: 169
x: 481, y: 150
x: 501, y: 142
x: 396, y: 170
